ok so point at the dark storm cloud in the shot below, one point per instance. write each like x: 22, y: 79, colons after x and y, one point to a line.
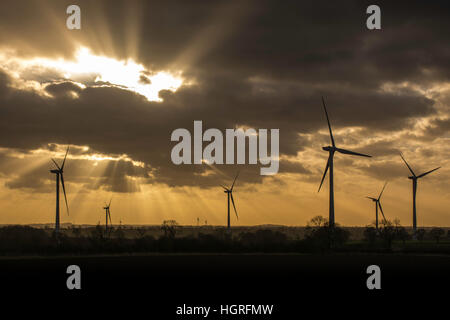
x: 386, y: 170
x: 317, y: 42
x: 266, y: 67
x: 381, y: 148
x: 293, y: 167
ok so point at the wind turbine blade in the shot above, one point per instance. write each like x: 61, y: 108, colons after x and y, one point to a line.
x: 62, y: 166
x: 56, y: 164
x: 64, y: 190
x: 371, y: 198
x: 325, y: 172
x: 109, y: 202
x: 401, y: 155
x: 379, y: 197
x: 109, y: 214
x: 328, y: 120
x: 379, y: 205
x: 352, y: 153
x: 424, y: 174
x: 234, y: 181
x: 224, y: 187
x: 234, y: 207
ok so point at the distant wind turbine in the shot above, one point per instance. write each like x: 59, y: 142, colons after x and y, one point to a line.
x: 414, y: 185
x: 229, y: 192
x: 331, y: 150
x: 59, y: 176
x: 378, y: 204
x: 108, y: 214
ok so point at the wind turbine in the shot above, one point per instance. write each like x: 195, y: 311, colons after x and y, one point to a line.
x: 59, y: 176
x: 108, y: 214
x: 414, y: 186
x: 331, y: 150
x: 229, y: 192
x: 378, y: 204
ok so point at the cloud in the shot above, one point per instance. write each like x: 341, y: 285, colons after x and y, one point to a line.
x: 264, y: 68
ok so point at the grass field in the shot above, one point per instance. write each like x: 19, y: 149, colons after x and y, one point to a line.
x: 165, y: 280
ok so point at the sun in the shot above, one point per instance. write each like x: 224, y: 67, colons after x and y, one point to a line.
x: 89, y: 69
x: 128, y: 74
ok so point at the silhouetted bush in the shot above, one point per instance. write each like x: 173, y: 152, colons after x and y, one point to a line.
x: 24, y: 239
x: 402, y: 234
x: 420, y: 234
x: 97, y: 233
x: 370, y: 234
x: 437, y: 233
x: 264, y: 240
x: 387, y: 234
x: 318, y: 237
x: 326, y: 237
x: 169, y: 228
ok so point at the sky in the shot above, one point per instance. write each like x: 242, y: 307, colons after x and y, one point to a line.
x: 116, y: 89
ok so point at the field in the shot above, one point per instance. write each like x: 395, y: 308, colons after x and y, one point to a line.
x: 166, y: 280
x: 284, y: 266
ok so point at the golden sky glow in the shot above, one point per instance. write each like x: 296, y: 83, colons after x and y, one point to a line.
x: 98, y: 90
x: 282, y: 199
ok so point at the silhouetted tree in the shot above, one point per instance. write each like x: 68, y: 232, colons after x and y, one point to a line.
x: 141, y: 231
x: 317, y: 221
x: 321, y: 235
x: 169, y: 228
x: 387, y: 233
x: 437, y: 233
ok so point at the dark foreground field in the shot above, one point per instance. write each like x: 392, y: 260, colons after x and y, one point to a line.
x: 294, y: 283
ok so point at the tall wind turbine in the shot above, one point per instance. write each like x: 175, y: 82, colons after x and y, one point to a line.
x: 229, y: 192
x: 59, y: 176
x: 378, y: 204
x: 108, y: 214
x: 414, y: 186
x: 331, y: 150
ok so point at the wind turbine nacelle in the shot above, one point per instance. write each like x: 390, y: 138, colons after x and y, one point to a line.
x: 411, y: 177
x: 329, y: 148
x: 54, y: 171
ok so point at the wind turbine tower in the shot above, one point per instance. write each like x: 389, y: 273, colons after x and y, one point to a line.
x: 378, y: 204
x: 414, y: 179
x: 229, y: 192
x: 331, y: 150
x: 59, y: 177
x: 108, y: 214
